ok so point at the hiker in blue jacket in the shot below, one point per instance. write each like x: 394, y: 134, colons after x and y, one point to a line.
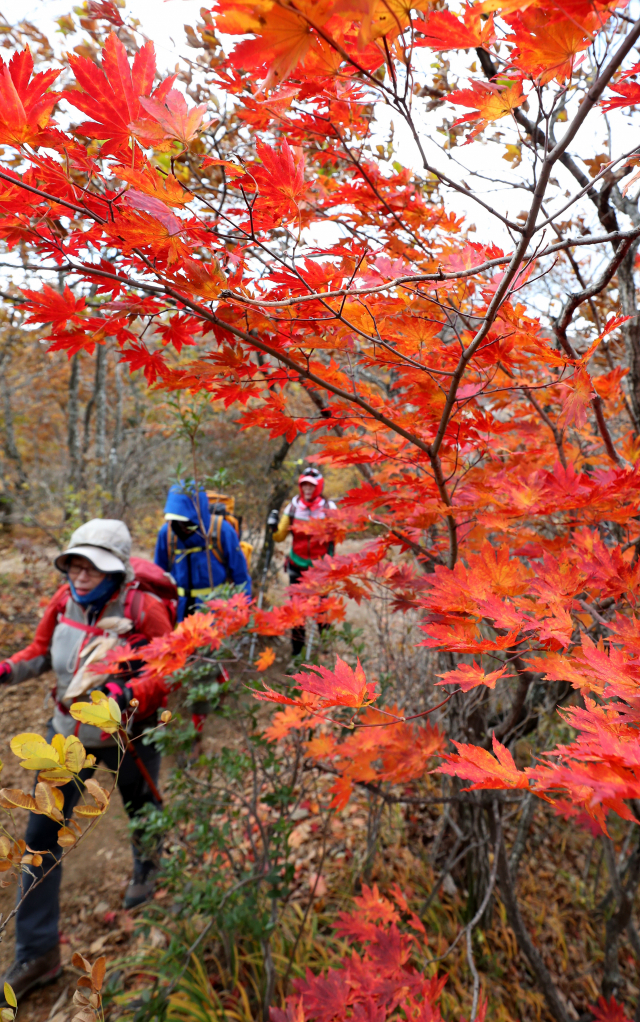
x: 200, y: 552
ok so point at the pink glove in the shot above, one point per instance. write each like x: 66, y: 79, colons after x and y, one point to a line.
x: 6, y: 670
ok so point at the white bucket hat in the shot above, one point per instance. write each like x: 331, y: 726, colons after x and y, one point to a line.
x: 106, y: 542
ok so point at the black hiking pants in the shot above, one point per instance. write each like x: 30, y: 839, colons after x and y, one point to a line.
x: 38, y: 915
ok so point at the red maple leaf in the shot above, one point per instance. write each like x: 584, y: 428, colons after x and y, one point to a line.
x: 608, y: 1011
x: 486, y: 771
x: 152, y: 364
x: 25, y: 102
x: 111, y: 95
x: 51, y: 306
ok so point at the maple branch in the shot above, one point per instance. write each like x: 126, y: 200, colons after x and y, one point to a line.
x: 526, y: 680
x: 528, y: 231
x: 420, y: 278
x: 51, y: 198
x: 557, y: 434
x: 417, y: 548
x: 565, y: 317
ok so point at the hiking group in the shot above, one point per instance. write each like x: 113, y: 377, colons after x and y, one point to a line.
x: 110, y: 598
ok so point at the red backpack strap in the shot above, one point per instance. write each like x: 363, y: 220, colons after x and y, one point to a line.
x: 133, y: 604
x: 89, y: 629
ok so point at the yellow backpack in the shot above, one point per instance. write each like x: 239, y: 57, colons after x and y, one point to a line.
x: 222, y: 507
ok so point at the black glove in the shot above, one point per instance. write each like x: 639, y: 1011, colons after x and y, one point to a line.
x: 272, y: 520
x: 6, y: 670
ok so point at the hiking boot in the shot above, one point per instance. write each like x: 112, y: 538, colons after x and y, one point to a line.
x: 140, y: 888
x: 37, y: 972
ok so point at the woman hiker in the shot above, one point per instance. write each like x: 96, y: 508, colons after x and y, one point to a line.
x: 99, y: 584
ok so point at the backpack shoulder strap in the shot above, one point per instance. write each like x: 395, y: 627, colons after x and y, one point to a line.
x: 133, y: 604
x: 171, y: 545
x: 213, y: 537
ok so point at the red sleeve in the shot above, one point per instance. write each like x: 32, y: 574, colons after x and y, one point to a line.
x: 152, y: 620
x: 44, y: 631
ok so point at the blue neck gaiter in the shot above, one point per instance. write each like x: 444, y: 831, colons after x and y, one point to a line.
x: 100, y: 596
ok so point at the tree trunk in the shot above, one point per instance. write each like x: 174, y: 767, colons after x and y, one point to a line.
x: 73, y: 437
x: 116, y: 440
x: 280, y: 487
x: 10, y: 447
x: 100, y: 396
x: 631, y: 328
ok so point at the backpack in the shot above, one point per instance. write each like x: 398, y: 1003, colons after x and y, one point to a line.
x: 149, y: 578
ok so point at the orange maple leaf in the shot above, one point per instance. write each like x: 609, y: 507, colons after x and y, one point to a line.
x: 341, y: 687
x: 148, y: 226
x: 443, y: 31
x: 489, y: 100
x: 548, y: 50
x: 266, y: 658
x: 25, y: 102
x: 284, y: 35
x: 468, y: 676
x: 169, y: 119
x: 285, y: 721
x: 150, y: 181
x: 576, y: 397
x: 486, y: 771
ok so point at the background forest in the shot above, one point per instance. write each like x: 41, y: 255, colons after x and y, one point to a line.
x: 398, y: 240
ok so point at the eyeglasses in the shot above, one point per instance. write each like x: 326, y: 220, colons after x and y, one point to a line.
x: 74, y: 570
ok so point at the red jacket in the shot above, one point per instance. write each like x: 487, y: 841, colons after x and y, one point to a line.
x: 150, y: 619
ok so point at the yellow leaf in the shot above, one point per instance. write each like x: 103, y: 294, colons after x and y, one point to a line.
x: 101, y: 796
x: 58, y: 744
x: 9, y: 996
x: 88, y: 810
x: 57, y: 776
x: 5, y: 847
x: 17, y: 798
x: 41, y: 763
x: 66, y: 837
x: 7, y: 1014
x: 47, y: 802
x: 73, y: 754
x: 27, y: 737
x: 104, y: 714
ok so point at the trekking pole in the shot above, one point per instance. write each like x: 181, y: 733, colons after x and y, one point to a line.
x: 130, y: 747
x: 272, y: 521
x: 310, y: 640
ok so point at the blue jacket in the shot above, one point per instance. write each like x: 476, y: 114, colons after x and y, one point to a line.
x: 190, y: 569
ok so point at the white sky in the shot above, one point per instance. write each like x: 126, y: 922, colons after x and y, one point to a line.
x: 163, y: 21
